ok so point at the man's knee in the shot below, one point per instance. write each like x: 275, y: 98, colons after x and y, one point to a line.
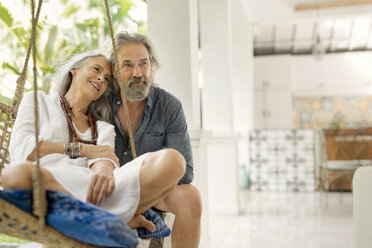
x: 190, y: 202
x: 160, y: 174
x: 169, y: 162
x: 175, y: 161
x: 17, y: 176
x: 195, y: 202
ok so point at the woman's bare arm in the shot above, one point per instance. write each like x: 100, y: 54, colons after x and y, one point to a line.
x: 88, y: 151
x: 46, y: 148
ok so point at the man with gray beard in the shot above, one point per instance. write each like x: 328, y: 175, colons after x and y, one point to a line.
x: 158, y: 121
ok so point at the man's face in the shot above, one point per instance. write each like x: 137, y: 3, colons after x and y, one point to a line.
x: 135, y: 71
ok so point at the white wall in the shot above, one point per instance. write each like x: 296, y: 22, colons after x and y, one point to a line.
x: 337, y: 74
x: 273, y: 92
x: 173, y: 27
x: 242, y: 69
x: 278, y: 79
x: 274, y: 11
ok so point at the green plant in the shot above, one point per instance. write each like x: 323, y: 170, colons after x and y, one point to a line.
x: 80, y: 26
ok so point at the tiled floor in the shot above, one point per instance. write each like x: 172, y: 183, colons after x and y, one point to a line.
x: 286, y: 220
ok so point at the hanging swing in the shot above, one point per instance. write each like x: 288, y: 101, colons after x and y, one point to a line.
x: 19, y: 221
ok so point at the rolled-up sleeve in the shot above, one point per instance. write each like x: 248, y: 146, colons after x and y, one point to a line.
x: 22, y: 141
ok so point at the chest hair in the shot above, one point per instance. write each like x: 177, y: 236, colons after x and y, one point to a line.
x: 134, y: 116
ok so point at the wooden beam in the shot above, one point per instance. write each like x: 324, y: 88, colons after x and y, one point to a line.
x: 330, y: 4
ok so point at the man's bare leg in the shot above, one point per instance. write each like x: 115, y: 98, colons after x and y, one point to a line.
x: 185, y: 203
x: 159, y: 175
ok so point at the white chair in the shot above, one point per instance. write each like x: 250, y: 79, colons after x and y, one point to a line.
x: 334, y: 169
x: 362, y: 202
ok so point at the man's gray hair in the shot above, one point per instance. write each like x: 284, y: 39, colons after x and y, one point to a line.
x: 125, y: 38
x: 101, y: 108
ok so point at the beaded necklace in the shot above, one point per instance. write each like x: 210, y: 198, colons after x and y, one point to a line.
x: 67, y: 110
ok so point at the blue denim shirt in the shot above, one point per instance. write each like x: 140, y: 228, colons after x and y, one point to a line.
x: 162, y: 125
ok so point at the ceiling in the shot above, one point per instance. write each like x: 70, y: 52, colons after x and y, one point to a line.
x: 335, y: 35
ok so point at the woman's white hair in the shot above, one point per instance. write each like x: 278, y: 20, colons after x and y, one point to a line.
x: 101, y: 108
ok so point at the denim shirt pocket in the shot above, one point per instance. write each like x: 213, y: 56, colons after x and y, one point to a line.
x: 153, y: 141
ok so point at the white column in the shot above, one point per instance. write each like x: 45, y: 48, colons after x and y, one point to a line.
x: 216, y: 42
x: 242, y: 79
x: 199, y: 143
x: 242, y: 68
x: 173, y: 27
x: 227, y: 61
x: 223, y: 183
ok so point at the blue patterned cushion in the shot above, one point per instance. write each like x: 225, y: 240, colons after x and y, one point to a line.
x: 161, y: 228
x: 79, y: 220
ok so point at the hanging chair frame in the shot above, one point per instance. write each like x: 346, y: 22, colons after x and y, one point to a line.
x: 14, y: 221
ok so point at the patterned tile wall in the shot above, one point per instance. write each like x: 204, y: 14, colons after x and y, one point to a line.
x: 282, y: 160
x: 333, y: 112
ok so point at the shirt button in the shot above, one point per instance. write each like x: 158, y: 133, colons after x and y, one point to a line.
x: 118, y: 102
x: 125, y: 153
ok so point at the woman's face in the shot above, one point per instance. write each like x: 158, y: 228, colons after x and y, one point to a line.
x: 93, y: 77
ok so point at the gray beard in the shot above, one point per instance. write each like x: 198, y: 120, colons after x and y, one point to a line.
x: 137, y: 93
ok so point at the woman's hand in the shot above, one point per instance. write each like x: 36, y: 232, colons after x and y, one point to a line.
x: 98, y: 151
x: 102, y: 182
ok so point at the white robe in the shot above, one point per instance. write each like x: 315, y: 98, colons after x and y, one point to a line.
x: 73, y: 174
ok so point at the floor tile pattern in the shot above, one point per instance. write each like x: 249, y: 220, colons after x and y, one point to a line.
x: 282, y: 160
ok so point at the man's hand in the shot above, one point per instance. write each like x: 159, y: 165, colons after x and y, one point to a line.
x: 102, y: 182
x: 98, y: 151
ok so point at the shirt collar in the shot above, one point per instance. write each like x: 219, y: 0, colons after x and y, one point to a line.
x: 150, y: 100
x: 115, y: 102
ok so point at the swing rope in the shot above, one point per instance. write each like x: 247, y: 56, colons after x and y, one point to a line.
x: 22, y: 78
x: 122, y: 88
x: 39, y: 194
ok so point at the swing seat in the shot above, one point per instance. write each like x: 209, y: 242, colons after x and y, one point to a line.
x: 15, y: 214
x: 76, y: 219
x: 65, y: 226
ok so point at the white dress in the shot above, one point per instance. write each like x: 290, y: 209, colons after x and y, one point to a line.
x: 73, y: 174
